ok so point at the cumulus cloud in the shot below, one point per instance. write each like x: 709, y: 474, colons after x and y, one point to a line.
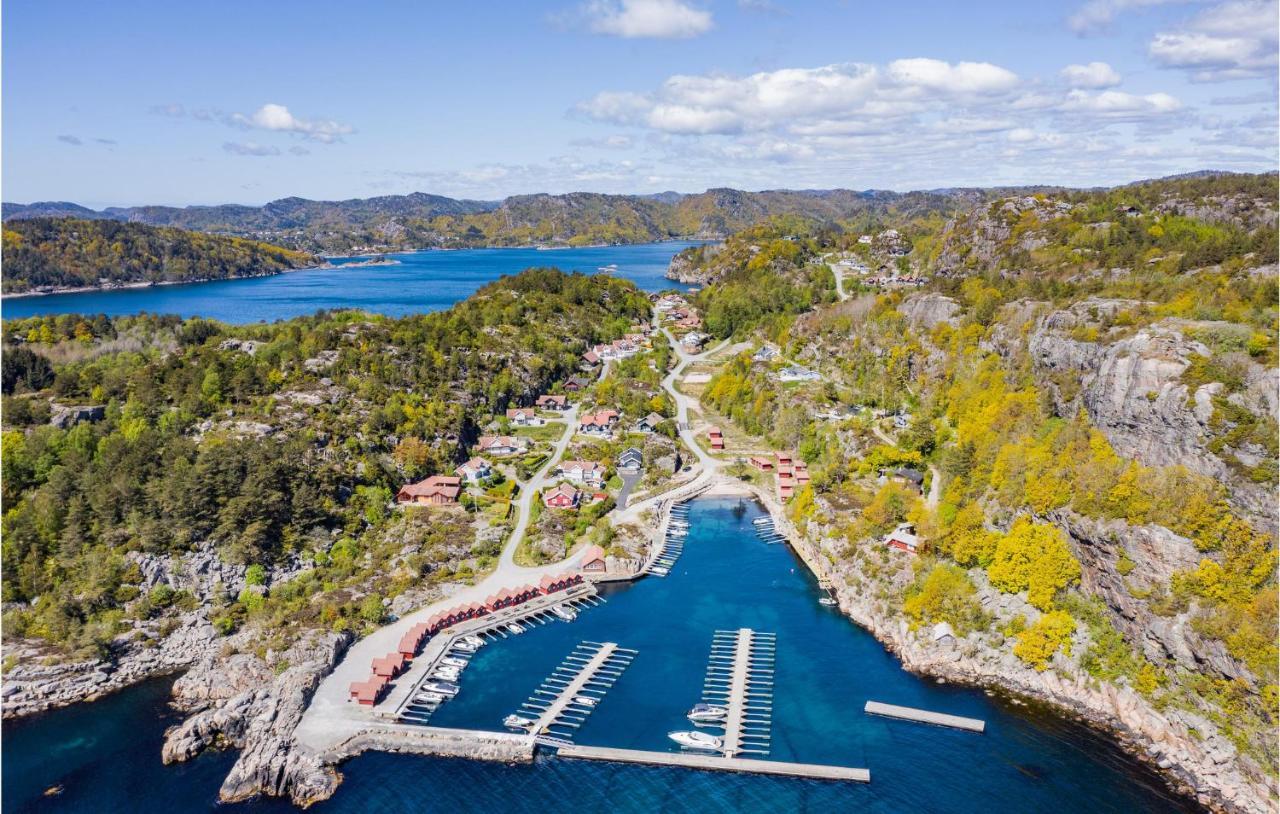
x: 799, y: 97
x: 1114, y: 103
x: 1093, y: 75
x: 658, y: 19
x: 1232, y: 40
x: 249, y: 148
x: 278, y: 118
x: 74, y: 141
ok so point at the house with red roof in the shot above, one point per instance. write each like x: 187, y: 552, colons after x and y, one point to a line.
x: 552, y: 402
x: 716, y: 439
x: 593, y: 560
x: 524, y: 417
x: 500, y: 444
x: 601, y: 423
x: 562, y: 496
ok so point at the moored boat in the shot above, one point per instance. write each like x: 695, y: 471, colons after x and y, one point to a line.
x: 699, y: 741
x: 706, y: 713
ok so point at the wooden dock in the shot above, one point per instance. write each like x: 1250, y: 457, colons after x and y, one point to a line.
x: 924, y: 716
x: 716, y: 763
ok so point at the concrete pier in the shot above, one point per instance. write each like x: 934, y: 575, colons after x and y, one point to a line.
x: 740, y: 677
x: 575, y: 686
x: 924, y: 716
x: 715, y: 763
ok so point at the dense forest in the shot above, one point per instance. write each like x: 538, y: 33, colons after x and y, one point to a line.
x: 52, y: 253
x: 269, y: 442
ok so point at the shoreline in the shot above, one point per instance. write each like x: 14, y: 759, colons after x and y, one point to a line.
x: 1087, y: 709
x: 92, y: 289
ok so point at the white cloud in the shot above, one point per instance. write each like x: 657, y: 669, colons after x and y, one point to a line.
x: 1114, y: 103
x: 278, y: 118
x: 658, y: 19
x: 249, y: 148
x: 1097, y: 15
x: 1093, y: 75
x: 802, y: 97
x: 1232, y: 40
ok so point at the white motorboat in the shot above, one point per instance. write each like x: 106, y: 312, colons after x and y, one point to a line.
x: 430, y: 698
x: 517, y: 722
x: 514, y: 628
x: 446, y: 674
x: 445, y: 688
x: 463, y: 646
x: 453, y: 661
x: 760, y: 521
x: 826, y: 600
x: 585, y: 700
x: 707, y: 713
x: 659, y: 570
x: 699, y: 741
x: 475, y: 641
x: 565, y: 612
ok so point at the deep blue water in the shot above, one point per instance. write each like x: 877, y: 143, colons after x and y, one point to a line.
x: 106, y: 754
x: 422, y: 281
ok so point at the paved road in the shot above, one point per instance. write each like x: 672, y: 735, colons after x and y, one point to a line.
x: 524, y: 504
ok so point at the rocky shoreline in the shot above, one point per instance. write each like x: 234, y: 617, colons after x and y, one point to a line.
x: 1205, y: 769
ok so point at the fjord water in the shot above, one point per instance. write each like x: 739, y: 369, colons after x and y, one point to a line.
x: 106, y: 754
x: 419, y: 282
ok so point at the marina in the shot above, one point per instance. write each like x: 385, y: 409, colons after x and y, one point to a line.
x: 566, y: 697
x: 434, y: 675
x: 739, y: 678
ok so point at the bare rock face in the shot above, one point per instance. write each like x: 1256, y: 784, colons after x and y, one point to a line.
x: 259, y: 720
x: 686, y: 268
x: 34, y: 687
x: 1155, y: 554
x: 1131, y: 389
x: 929, y: 310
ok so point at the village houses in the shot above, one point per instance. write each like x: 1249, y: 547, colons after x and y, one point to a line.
x: 588, y: 473
x: 436, y: 490
x: 500, y: 445
x: 474, y: 470
x: 562, y: 496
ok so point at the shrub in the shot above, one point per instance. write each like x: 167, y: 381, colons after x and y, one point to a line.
x: 1037, y: 644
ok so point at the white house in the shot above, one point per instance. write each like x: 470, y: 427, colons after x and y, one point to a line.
x: 474, y: 470
x: 500, y: 444
x: 796, y: 373
x: 589, y: 473
x: 524, y: 417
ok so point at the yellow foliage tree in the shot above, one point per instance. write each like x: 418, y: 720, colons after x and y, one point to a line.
x: 1037, y: 644
x: 1033, y: 557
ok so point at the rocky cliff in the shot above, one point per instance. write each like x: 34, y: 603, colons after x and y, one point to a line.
x: 1194, y: 755
x: 244, y: 703
x: 1131, y: 383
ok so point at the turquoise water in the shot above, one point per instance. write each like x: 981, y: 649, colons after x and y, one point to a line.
x: 106, y: 754
x: 422, y: 281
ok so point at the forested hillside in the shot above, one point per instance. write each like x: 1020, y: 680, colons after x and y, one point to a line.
x: 56, y: 253
x: 264, y: 447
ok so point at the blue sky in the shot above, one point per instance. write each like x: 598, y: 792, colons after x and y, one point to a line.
x: 204, y: 102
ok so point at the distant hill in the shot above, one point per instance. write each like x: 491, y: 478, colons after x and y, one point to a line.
x: 53, y: 253
x: 420, y: 220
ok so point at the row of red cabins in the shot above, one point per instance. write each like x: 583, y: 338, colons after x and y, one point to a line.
x: 393, y: 664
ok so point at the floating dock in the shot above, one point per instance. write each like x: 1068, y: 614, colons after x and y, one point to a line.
x: 715, y: 763
x: 924, y: 716
x: 740, y: 678
x: 571, y: 692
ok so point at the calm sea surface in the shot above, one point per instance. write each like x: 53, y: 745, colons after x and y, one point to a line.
x: 422, y: 281
x: 106, y: 755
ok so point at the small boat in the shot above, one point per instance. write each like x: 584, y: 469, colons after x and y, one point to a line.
x: 585, y: 700
x: 453, y: 661
x: 659, y: 570
x: 566, y: 613
x: 445, y: 688
x: 760, y: 521
x: 826, y: 600
x: 446, y: 675
x: 514, y: 628
x: 475, y: 641
x: 517, y: 722
x: 704, y: 713
x: 463, y: 646
x: 430, y: 698
x: 699, y: 741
